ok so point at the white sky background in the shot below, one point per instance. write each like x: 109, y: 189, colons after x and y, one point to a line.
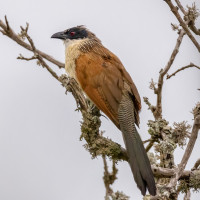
x: 40, y: 153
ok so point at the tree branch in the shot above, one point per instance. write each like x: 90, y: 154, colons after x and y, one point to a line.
x: 158, y: 111
x: 197, y: 164
x: 149, y: 145
x: 24, y: 33
x: 181, y: 7
x: 6, y: 30
x: 187, y: 195
x: 191, y: 24
x: 109, y: 178
x: 109, y: 191
x: 188, y: 151
x: 182, y: 68
x: 182, y: 23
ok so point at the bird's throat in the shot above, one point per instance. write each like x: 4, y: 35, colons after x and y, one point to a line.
x: 72, y: 52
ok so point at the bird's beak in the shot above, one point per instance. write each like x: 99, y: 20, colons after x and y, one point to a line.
x: 59, y: 35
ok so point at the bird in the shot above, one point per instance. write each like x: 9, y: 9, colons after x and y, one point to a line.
x: 105, y: 81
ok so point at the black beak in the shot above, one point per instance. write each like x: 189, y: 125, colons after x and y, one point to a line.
x: 59, y: 35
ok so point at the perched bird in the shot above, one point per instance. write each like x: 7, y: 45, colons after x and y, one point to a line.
x: 103, y: 78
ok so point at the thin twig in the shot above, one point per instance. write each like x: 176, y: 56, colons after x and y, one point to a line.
x: 44, y: 64
x: 149, y: 145
x: 150, y: 107
x: 7, y: 24
x: 167, y: 172
x: 145, y: 141
x: 109, y: 177
x: 182, y: 68
x: 191, y: 15
x: 109, y: 191
x: 182, y: 23
x: 21, y: 57
x: 194, y: 29
x: 197, y: 164
x: 190, y: 24
x: 181, y: 7
x: 6, y: 30
x: 187, y: 195
x: 188, y: 151
x: 24, y: 32
x: 163, y: 72
x: 191, y: 143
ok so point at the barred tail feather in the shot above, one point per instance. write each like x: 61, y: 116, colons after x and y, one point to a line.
x: 138, y: 159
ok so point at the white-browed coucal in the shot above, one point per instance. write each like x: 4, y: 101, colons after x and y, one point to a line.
x: 103, y: 78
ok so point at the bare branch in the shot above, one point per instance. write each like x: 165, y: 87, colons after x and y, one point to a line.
x: 109, y: 191
x: 24, y: 33
x: 173, y: 55
x: 145, y: 141
x: 43, y: 63
x: 191, y: 144
x: 6, y: 30
x: 153, y: 87
x: 187, y: 195
x: 163, y: 72
x: 181, y: 7
x: 191, y: 15
x: 182, y: 68
x: 21, y: 57
x: 150, y: 107
x: 7, y: 24
x: 182, y: 23
x: 167, y: 172
x: 188, y: 151
x: 194, y: 29
x: 3, y: 32
x: 191, y: 23
x: 197, y: 164
x: 149, y: 145
x: 109, y: 177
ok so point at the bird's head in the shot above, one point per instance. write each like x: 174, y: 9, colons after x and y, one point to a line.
x: 78, y: 32
x: 79, y: 35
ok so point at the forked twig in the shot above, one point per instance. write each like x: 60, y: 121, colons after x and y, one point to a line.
x: 183, y: 68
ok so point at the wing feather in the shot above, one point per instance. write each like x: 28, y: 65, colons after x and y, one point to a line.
x: 102, y: 77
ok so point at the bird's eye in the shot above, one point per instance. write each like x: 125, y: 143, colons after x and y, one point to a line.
x: 72, y: 33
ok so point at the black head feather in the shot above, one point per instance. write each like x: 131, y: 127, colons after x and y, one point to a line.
x: 78, y: 32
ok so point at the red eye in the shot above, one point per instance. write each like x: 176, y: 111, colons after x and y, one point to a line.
x: 72, y: 33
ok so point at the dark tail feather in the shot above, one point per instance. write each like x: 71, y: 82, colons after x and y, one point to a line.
x: 138, y: 159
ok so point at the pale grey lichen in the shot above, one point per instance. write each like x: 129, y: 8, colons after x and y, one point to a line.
x: 196, y: 110
x: 195, y: 180
x: 167, y: 147
x: 119, y: 196
x: 181, y: 132
x: 192, y: 182
x: 155, y: 127
x: 153, y: 158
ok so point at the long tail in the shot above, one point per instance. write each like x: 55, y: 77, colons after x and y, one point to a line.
x: 138, y: 159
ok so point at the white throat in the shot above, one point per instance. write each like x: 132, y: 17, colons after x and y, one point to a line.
x: 69, y: 42
x: 72, y: 52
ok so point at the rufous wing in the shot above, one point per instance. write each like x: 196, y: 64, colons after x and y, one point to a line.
x: 102, y: 75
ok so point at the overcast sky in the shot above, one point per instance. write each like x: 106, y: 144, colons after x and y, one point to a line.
x: 40, y: 152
